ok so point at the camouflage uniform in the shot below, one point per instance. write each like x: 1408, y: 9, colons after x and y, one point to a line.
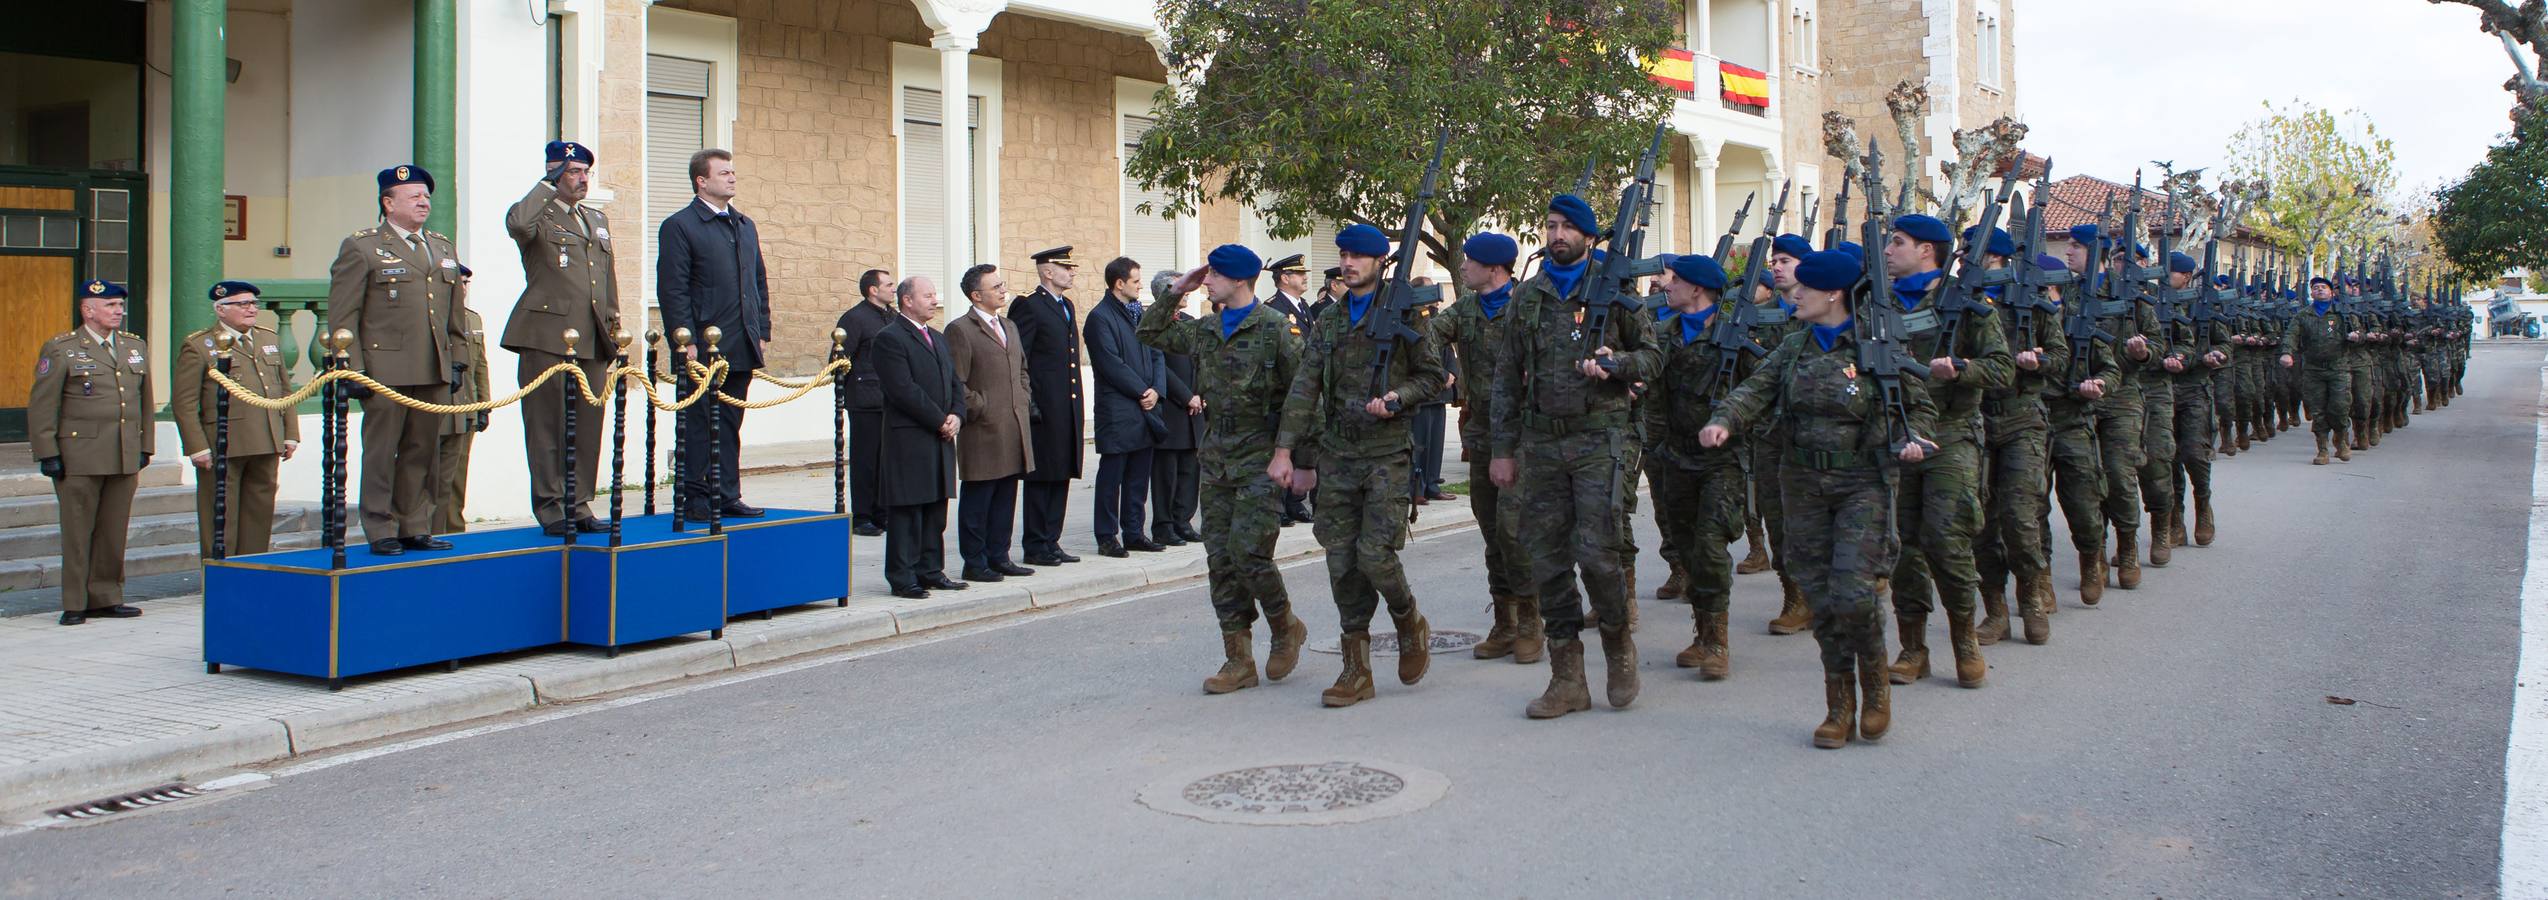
x: 2081, y: 459
x: 2122, y: 419
x: 1475, y: 339
x: 2191, y: 465
x: 1698, y: 491
x: 2361, y: 369
x: 2017, y: 432
x: 1763, y: 446
x: 1942, y: 495
x: 1363, y: 462
x: 2316, y: 341
x: 2159, y: 411
x: 1244, y: 379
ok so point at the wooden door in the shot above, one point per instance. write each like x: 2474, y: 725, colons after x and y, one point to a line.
x: 39, y: 271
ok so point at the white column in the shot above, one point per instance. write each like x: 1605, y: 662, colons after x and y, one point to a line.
x: 955, y: 148
x: 1703, y: 228
x: 1703, y: 11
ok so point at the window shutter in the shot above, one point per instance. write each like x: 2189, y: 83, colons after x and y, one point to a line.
x: 924, y: 188
x: 1149, y: 238
x: 676, y: 127
x: 1322, y: 251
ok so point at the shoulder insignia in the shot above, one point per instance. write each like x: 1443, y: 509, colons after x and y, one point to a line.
x: 364, y: 232
x: 430, y: 233
x: 65, y: 337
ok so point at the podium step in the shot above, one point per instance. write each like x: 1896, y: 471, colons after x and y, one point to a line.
x: 44, y: 572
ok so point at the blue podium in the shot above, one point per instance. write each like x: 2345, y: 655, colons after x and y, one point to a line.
x: 492, y: 592
x: 657, y: 583
x: 786, y: 558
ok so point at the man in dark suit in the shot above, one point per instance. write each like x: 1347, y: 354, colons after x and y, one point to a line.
x: 1176, y: 472
x: 708, y: 272
x: 866, y: 400
x: 1432, y: 419
x: 1291, y: 298
x: 1129, y: 378
x: 994, y: 453
x: 924, y: 407
x: 1048, y: 327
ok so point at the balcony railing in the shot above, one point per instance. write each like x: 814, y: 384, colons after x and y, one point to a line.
x: 1693, y: 75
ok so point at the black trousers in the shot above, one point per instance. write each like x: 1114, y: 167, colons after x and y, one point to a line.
x: 1176, y: 489
x: 986, y: 514
x: 1431, y: 419
x: 915, y: 544
x: 695, y: 445
x: 1041, y: 531
x: 1296, y: 505
x: 1123, y: 486
x: 866, y: 438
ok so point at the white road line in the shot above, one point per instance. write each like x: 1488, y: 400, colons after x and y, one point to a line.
x: 2524, y: 875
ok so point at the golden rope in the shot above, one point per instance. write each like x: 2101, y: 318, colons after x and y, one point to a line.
x: 583, y: 386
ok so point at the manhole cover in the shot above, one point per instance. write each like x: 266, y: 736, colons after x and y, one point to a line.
x: 1385, y: 643
x: 1325, y: 793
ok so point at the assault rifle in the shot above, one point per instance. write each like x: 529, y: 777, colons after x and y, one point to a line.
x: 1961, y: 299
x: 1725, y: 242
x: 2080, y: 325
x: 2029, y: 279
x: 1880, y: 334
x: 1613, y: 286
x: 1839, y: 219
x: 1389, y: 320
x: 1737, y: 313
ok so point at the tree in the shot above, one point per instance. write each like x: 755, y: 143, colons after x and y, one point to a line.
x: 1326, y: 111
x: 1979, y: 154
x: 2328, y: 178
x: 2496, y: 217
x: 2519, y: 28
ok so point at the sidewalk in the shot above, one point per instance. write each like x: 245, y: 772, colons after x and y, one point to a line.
x: 118, y: 705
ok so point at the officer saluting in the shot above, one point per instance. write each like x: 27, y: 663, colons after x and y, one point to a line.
x: 260, y: 439
x: 397, y: 288
x: 85, y: 378
x: 567, y: 283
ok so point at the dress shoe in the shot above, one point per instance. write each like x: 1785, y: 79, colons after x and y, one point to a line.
x: 1422, y: 500
x: 1142, y: 544
x: 977, y: 573
x: 1064, y: 555
x: 590, y: 525
x: 558, y: 528
x: 1166, y: 536
x: 741, y: 510
x: 1191, y: 536
x: 117, y: 611
x: 695, y: 514
x: 867, y: 529
x: 1111, y: 547
x: 1006, y: 567
x: 387, y: 547
x: 72, y: 618
x: 1046, y: 560
x: 942, y: 583
x: 423, y: 542
x: 912, y: 593
x: 1442, y: 495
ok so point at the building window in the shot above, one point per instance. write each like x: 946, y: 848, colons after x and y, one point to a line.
x: 676, y: 127
x: 1322, y: 249
x: 110, y: 216
x: 1986, y: 44
x: 1149, y: 238
x: 924, y: 192
x: 1805, y: 35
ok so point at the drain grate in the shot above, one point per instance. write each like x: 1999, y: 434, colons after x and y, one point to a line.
x: 1385, y: 643
x: 166, y: 793
x: 1323, y: 793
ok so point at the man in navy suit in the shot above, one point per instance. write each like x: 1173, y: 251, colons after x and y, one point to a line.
x: 708, y: 272
x: 1291, y: 298
x: 924, y: 408
x: 1131, y: 377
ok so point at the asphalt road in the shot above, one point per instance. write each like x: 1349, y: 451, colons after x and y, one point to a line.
x: 2176, y: 741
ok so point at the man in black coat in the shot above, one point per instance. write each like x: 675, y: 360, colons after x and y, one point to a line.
x: 866, y: 400
x: 1046, y: 326
x: 1291, y: 298
x: 1176, y: 472
x: 708, y: 272
x: 923, y: 409
x: 1130, y: 376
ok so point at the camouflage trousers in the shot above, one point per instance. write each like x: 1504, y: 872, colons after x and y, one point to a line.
x: 1633, y: 452
x: 1764, y: 448
x: 1701, y: 511
x: 2079, y: 472
x: 2191, y: 463
x: 1361, y: 521
x: 2435, y: 366
x: 1940, y: 498
x: 2016, y: 474
x: 1849, y: 516
x: 1574, y: 489
x: 2364, y: 375
x: 1498, y: 512
x: 2119, y: 453
x: 2158, y: 443
x: 1240, y: 522
x: 2329, y: 392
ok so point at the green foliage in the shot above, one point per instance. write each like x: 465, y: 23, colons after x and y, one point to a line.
x: 2330, y: 175
x: 1317, y: 110
x: 2496, y: 217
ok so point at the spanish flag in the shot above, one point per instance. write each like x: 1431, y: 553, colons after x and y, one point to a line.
x: 1748, y: 87
x: 1674, y: 69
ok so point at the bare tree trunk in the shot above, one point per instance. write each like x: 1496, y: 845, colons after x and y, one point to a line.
x: 1909, y: 103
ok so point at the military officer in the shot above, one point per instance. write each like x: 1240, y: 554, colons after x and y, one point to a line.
x: 260, y: 439
x: 1698, y: 491
x: 2315, y: 340
x: 451, y: 469
x: 1291, y: 298
x: 1473, y: 328
x: 1563, y: 423
x: 1048, y: 327
x: 396, y: 287
x: 1362, y: 445
x: 568, y: 283
x: 88, y: 424
x: 1245, y: 359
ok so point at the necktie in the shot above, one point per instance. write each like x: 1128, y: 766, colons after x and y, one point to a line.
x: 926, y: 339
x: 996, y: 333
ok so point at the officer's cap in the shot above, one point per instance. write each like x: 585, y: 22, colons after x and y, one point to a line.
x: 406, y: 173
x: 1060, y: 256
x: 102, y: 290
x: 224, y: 290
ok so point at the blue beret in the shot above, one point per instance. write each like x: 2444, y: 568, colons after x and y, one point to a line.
x: 1362, y: 239
x: 2141, y: 250
x: 1577, y: 212
x: 1829, y: 270
x: 406, y: 174
x: 1920, y: 227
x: 2289, y: 294
x: 103, y: 290
x: 2051, y: 263
x: 1999, y: 243
x: 2221, y: 280
x: 1699, y: 269
x: 2314, y: 282
x: 227, y: 288
x: 2087, y: 233
x: 569, y: 151
x: 2182, y: 264
x: 1491, y: 249
x: 1791, y: 245
x: 1852, y: 248
x: 1234, y: 261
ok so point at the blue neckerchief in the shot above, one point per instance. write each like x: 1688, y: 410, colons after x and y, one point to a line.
x: 1994, y: 292
x: 2321, y: 305
x: 1493, y: 301
x: 1664, y: 312
x: 1695, y: 325
x: 1564, y: 277
x: 1910, y: 288
x: 1826, y: 336
x: 1356, y: 305
x: 1783, y: 304
x: 1230, y: 319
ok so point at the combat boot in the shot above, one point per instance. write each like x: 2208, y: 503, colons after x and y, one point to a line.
x: 1875, y: 697
x: 1499, y: 639
x: 2228, y: 443
x: 1354, y: 684
x: 1619, y: 655
x: 2344, y: 450
x: 1757, y: 559
x: 1913, y: 664
x: 1566, y: 690
x: 2161, y: 530
x: 1995, y: 614
x: 2203, y: 532
x: 1792, y: 614
x: 1969, y: 667
x: 2377, y: 426
x: 2245, y: 433
x: 2035, y: 603
x: 2127, y: 571
x: 2321, y: 458
x: 1239, y: 671
x: 2361, y: 434
x: 1840, y: 718
x: 2092, y: 578
x: 1707, y: 648
x: 1415, y: 645
x: 1285, y: 650
x: 1673, y: 585
x: 1530, y: 644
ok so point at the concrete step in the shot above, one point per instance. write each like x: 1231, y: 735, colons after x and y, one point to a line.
x: 22, y: 481
x: 33, y: 541
x: 21, y: 512
x: 29, y: 574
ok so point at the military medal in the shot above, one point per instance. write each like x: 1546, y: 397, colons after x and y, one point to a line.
x: 1578, y: 333
x: 1850, y: 372
x: 561, y: 257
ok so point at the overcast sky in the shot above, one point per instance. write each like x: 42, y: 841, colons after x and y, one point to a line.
x: 2198, y: 69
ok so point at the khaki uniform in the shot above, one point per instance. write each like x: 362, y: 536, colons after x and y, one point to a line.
x: 91, y: 407
x: 401, y: 300
x: 257, y: 435
x: 566, y: 268
x: 451, y: 466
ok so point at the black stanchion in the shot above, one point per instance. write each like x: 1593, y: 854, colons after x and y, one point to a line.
x: 619, y: 432
x: 840, y: 426
x: 566, y: 449
x: 338, y: 360
x: 675, y: 358
x: 653, y: 337
x: 716, y: 419
x: 221, y: 449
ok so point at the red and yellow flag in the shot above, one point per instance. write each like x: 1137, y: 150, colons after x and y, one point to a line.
x: 1748, y: 87
x: 1674, y: 69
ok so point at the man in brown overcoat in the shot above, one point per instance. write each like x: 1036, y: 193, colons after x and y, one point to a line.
x: 994, y: 452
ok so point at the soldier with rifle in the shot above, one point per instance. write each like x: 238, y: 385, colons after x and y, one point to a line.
x: 2191, y: 284
x: 2134, y: 328
x: 1773, y: 320
x: 2016, y: 431
x: 1362, y: 365
x: 2144, y: 282
x: 1473, y: 329
x: 2316, y: 339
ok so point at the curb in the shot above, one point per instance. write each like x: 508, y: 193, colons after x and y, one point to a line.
x: 197, y: 756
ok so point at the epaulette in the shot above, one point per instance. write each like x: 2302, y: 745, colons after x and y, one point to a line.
x: 67, y: 336
x: 366, y: 232
x: 434, y: 235
x: 128, y: 334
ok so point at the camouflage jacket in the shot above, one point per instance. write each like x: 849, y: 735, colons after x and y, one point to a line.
x: 2317, y: 340
x: 1324, y: 410
x: 1537, y: 391
x: 1681, y: 397
x: 1829, y: 409
x: 1243, y: 379
x: 1983, y: 349
x: 1475, y: 340
x: 2020, y: 403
